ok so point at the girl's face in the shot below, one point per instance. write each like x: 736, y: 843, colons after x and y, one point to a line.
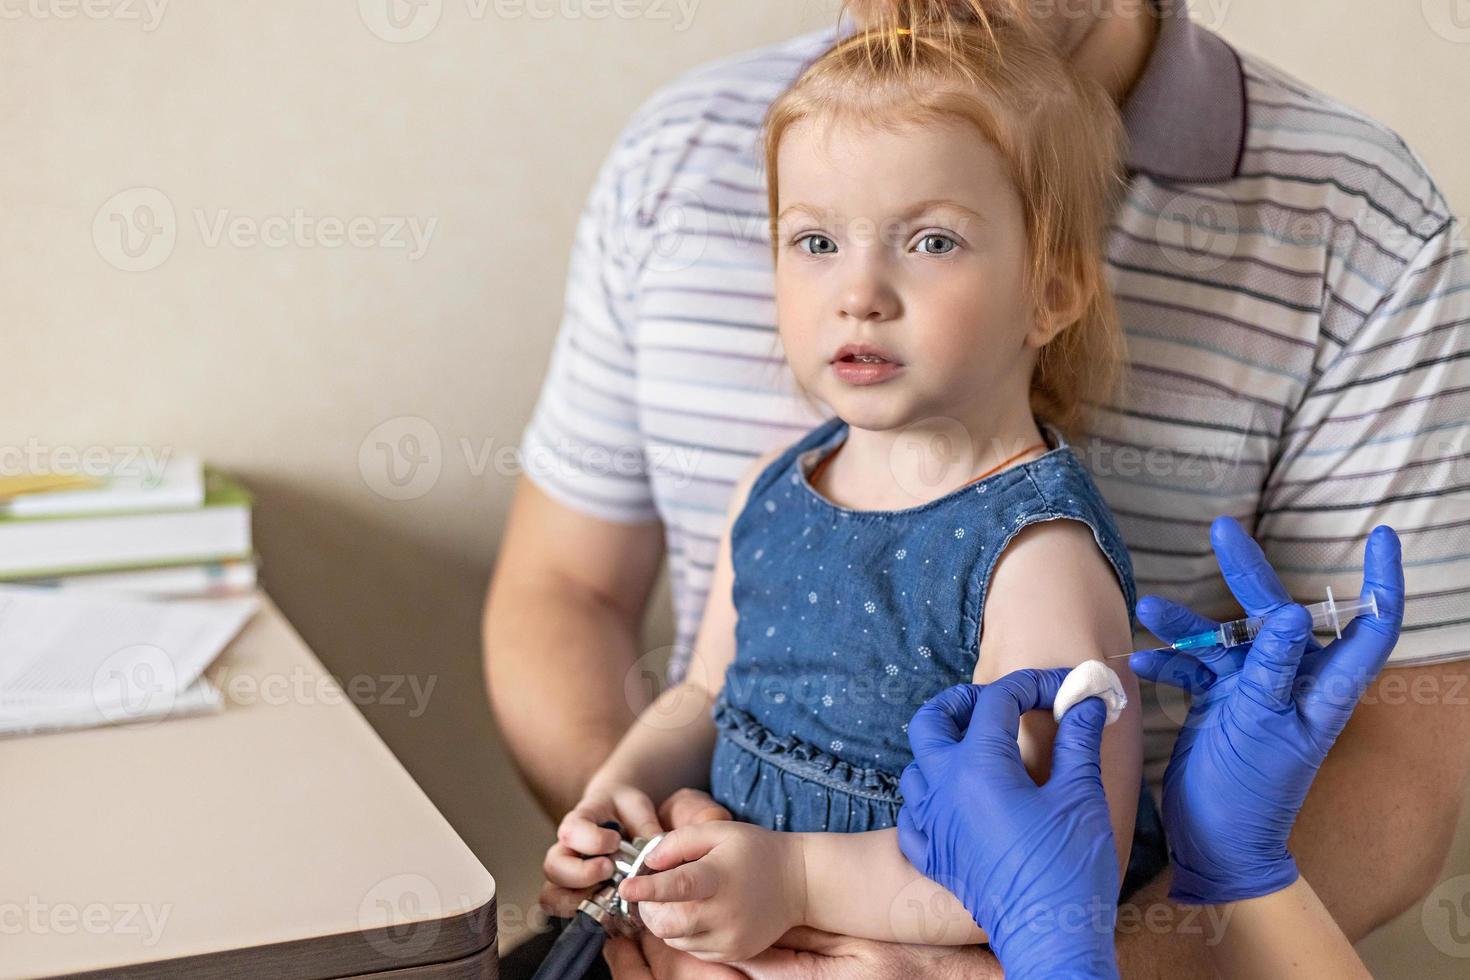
x: 910, y: 247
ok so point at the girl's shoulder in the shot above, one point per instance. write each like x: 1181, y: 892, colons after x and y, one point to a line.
x: 766, y: 469
x: 1062, y: 482
x: 774, y: 465
x: 1062, y: 487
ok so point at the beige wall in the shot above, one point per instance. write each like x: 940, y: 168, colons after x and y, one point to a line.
x: 281, y: 361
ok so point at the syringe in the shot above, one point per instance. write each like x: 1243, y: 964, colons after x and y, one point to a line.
x: 1327, y: 613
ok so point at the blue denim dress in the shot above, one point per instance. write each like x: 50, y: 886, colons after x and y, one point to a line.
x: 849, y: 620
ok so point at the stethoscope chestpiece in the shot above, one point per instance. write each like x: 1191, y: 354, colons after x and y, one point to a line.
x: 606, y: 907
x: 631, y: 861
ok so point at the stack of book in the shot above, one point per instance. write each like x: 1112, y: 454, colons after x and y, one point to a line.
x: 183, y: 530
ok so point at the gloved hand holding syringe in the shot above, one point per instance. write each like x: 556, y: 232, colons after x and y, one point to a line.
x: 1330, y: 613
x: 1261, y: 722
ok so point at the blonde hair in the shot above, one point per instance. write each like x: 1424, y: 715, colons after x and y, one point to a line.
x: 1059, y: 134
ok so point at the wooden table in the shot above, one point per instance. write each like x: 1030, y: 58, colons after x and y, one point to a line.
x: 278, y: 838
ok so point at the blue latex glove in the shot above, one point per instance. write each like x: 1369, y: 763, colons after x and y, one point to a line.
x: 1035, y: 865
x: 1261, y: 719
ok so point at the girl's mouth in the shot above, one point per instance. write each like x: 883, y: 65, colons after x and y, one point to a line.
x: 863, y: 353
x: 864, y: 369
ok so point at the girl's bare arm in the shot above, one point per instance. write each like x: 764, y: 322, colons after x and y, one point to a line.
x: 1060, y: 603
x: 862, y: 885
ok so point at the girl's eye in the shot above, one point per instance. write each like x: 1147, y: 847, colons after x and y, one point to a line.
x: 815, y: 244
x: 940, y: 244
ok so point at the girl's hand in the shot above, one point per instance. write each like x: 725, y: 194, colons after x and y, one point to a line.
x: 724, y: 891
x: 578, y: 862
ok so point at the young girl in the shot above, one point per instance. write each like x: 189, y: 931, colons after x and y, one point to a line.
x: 939, y: 194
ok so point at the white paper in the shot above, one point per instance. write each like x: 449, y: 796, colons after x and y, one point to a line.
x: 82, y: 656
x: 201, y: 697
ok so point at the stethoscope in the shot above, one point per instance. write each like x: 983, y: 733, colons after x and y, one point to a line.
x: 604, y: 913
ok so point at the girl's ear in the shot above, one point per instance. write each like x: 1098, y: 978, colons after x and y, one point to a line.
x: 1065, y: 301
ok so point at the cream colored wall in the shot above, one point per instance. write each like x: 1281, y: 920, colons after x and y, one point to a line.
x: 282, y: 360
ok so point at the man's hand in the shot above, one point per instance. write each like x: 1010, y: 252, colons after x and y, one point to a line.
x: 646, y: 957
x: 810, y: 954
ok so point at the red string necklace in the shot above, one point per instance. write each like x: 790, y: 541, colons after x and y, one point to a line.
x: 817, y: 470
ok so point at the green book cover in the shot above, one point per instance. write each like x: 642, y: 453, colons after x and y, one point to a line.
x: 106, y: 541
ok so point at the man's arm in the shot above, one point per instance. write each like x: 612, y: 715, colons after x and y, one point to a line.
x: 1389, y: 795
x: 1382, y: 809
x: 671, y: 746
x: 583, y: 540
x: 561, y: 632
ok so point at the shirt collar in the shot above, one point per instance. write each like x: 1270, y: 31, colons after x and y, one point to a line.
x: 1185, y: 115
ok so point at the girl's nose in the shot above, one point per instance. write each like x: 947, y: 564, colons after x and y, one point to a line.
x: 868, y: 297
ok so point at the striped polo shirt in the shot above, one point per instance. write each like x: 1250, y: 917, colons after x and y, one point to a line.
x: 1294, y: 290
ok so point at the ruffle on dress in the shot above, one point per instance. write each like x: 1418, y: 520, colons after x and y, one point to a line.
x: 784, y: 782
